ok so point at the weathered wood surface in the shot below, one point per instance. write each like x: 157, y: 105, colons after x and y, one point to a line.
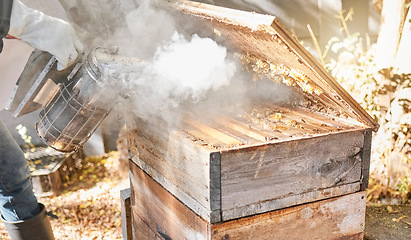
x: 126, y: 221
x: 159, y: 215
x: 48, y: 182
x: 164, y: 214
x: 181, y: 167
x: 337, y: 218
x: 366, y: 158
x: 232, y: 182
x: 262, y: 178
x: 141, y: 230
x: 257, y: 126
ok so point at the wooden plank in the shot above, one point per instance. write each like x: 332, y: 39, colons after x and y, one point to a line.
x: 56, y: 182
x: 141, y: 231
x: 159, y: 215
x: 282, y: 122
x: 252, y: 176
x: 337, y: 218
x: 288, y: 201
x: 215, y: 187
x: 215, y: 134
x: 316, y: 120
x: 258, y: 130
x: 366, y: 157
x: 233, y: 130
x: 243, y: 128
x: 291, y: 123
x: 209, y: 212
x: 162, y: 212
x: 175, y: 161
x: 224, y: 131
x: 126, y: 221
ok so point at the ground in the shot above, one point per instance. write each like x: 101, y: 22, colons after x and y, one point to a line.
x: 89, y: 207
x: 388, y: 222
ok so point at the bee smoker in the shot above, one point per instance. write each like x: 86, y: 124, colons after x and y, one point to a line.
x: 73, y: 102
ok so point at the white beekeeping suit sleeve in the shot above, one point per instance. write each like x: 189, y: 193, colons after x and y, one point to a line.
x: 45, y: 33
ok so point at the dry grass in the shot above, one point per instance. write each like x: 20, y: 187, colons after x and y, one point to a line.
x: 90, y: 206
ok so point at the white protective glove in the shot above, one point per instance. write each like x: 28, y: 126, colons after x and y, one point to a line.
x: 45, y: 33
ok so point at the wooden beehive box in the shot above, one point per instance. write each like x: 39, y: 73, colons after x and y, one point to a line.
x: 269, y: 156
x: 156, y: 214
x: 254, y: 175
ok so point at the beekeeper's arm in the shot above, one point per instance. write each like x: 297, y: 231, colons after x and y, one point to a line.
x: 40, y: 31
x: 5, y: 13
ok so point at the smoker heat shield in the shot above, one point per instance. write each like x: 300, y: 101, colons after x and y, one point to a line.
x: 267, y: 45
x: 36, y: 83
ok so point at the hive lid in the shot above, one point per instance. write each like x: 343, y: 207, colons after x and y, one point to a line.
x: 266, y: 44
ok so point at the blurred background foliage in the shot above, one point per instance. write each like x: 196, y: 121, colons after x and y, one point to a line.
x: 385, y: 93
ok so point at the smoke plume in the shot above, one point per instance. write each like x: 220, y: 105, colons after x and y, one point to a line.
x: 172, y: 68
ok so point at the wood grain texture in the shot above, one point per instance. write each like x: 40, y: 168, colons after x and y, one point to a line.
x: 337, y: 218
x: 164, y: 214
x: 366, y: 156
x: 250, y: 179
x: 208, y: 212
x: 172, y: 160
x: 141, y: 231
x: 126, y: 221
x: 288, y: 201
x: 279, y: 171
x: 159, y: 215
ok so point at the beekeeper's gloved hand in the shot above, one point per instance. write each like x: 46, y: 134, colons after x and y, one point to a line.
x: 45, y: 33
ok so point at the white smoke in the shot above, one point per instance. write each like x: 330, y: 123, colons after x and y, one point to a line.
x: 177, y: 67
x: 181, y: 70
x: 150, y: 27
x: 191, y: 67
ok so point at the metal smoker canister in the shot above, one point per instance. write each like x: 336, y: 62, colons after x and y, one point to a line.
x: 75, y: 111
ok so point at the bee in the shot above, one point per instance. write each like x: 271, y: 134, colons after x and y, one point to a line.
x: 275, y: 117
x: 283, y: 70
x: 278, y: 72
x: 261, y: 64
x: 299, y: 75
x: 291, y: 123
x: 318, y: 91
x: 289, y: 81
x: 307, y: 88
x: 273, y: 68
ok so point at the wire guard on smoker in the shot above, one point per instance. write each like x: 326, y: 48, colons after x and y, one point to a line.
x: 78, y: 107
